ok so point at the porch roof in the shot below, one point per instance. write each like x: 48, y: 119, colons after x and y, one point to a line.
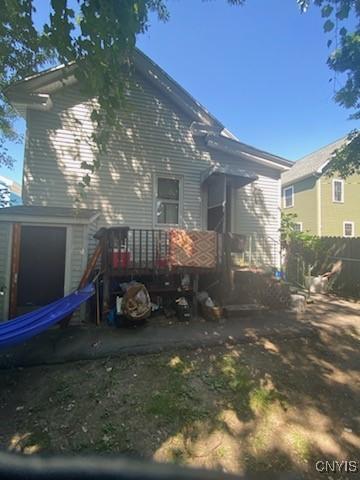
x: 239, y: 176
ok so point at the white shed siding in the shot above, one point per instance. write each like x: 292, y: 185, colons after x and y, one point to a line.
x: 5, y: 254
x: 152, y: 137
x: 78, y: 254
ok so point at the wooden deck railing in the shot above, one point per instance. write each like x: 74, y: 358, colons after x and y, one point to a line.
x: 139, y: 250
x: 136, y: 249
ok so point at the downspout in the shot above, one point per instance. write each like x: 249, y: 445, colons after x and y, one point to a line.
x: 318, y: 206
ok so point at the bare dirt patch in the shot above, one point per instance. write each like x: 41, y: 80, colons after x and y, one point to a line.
x: 273, y: 406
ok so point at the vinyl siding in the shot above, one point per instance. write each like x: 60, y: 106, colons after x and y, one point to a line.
x: 152, y: 137
x: 78, y: 259
x: 305, y: 203
x: 5, y: 254
x: 78, y: 253
x: 334, y: 214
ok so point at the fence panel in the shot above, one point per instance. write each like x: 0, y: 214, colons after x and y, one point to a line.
x: 329, y: 251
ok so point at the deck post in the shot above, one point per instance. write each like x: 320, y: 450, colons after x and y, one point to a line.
x: 195, y: 293
x: 106, y: 277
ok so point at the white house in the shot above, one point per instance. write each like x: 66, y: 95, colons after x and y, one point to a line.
x: 169, y: 162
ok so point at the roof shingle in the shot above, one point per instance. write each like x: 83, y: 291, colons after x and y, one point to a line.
x: 312, y: 163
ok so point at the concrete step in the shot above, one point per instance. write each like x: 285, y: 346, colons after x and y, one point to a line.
x: 243, y: 310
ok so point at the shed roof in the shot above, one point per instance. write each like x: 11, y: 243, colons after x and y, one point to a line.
x: 311, y: 164
x: 80, y: 214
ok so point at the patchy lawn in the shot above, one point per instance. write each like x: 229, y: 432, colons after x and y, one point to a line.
x: 271, y: 406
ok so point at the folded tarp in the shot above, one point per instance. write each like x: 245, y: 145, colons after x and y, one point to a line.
x: 26, y: 326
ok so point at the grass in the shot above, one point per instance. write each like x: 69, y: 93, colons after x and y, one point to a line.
x: 214, y: 408
x: 176, y: 400
x: 301, y: 445
x: 261, y: 399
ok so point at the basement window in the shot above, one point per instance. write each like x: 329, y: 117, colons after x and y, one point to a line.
x: 348, y: 229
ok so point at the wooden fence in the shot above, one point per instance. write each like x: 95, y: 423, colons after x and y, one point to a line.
x: 327, y: 252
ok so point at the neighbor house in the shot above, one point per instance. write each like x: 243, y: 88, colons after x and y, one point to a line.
x: 325, y: 205
x: 169, y: 163
x: 10, y: 192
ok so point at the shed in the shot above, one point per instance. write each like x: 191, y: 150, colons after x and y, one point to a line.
x: 43, y: 253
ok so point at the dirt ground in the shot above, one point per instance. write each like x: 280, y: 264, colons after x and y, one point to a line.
x: 274, y: 405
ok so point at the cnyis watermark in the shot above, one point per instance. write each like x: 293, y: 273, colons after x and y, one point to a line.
x: 339, y: 466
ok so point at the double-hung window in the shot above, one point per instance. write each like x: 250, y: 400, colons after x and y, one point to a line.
x: 298, y: 227
x: 289, y: 197
x: 168, y: 200
x: 338, y: 191
x: 348, y: 229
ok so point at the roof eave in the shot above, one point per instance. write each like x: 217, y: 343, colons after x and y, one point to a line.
x: 238, y: 149
x: 299, y: 179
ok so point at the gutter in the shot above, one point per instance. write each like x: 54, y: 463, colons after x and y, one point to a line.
x: 237, y: 149
x: 303, y: 177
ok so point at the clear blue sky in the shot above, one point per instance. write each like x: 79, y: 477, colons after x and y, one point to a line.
x: 260, y: 69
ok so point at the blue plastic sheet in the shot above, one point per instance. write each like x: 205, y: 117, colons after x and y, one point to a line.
x: 26, y: 326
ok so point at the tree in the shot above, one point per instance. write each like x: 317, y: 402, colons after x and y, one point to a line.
x: 339, y: 16
x: 300, y: 248
x: 101, y: 36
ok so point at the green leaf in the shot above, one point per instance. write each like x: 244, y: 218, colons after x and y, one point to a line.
x: 343, y: 31
x: 343, y: 13
x: 327, y: 11
x: 329, y: 42
x: 328, y: 26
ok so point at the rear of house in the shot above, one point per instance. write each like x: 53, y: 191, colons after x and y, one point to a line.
x: 324, y: 205
x: 169, y: 164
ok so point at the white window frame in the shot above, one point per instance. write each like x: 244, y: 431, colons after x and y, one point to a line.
x: 180, y: 202
x: 301, y: 226
x: 292, y: 196
x: 346, y: 222
x: 340, y: 180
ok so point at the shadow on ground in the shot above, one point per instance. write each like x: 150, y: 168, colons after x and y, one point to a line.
x: 274, y: 405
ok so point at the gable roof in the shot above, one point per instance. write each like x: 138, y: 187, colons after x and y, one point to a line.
x: 35, y: 92
x: 312, y: 164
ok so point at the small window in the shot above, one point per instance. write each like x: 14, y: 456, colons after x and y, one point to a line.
x: 298, y: 227
x: 349, y: 229
x: 338, y: 191
x: 167, y: 201
x: 289, y: 197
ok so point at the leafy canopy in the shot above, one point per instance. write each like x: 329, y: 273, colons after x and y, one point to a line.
x: 100, y: 36
x: 342, y: 24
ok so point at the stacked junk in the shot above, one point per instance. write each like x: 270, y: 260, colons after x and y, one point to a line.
x: 134, y: 305
x: 149, y: 273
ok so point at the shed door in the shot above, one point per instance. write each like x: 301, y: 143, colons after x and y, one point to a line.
x: 41, y: 266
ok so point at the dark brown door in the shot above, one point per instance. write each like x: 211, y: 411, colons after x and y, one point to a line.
x: 41, y: 267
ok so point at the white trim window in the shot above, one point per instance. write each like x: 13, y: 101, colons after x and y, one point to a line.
x: 298, y: 227
x: 289, y: 196
x: 338, y: 190
x: 168, y: 200
x: 348, y: 229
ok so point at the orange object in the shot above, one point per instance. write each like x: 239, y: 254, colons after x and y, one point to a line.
x: 192, y: 248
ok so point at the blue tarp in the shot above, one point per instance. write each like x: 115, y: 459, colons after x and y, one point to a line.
x: 26, y: 326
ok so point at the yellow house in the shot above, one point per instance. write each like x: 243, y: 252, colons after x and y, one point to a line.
x: 324, y: 205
